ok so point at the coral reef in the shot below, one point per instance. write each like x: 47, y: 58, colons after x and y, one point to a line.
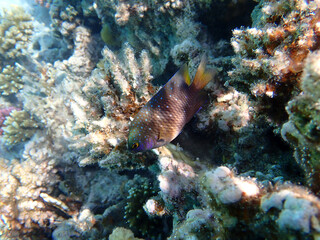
x: 4, y: 112
x: 302, y: 129
x: 19, y: 126
x: 270, y: 55
x: 11, y: 80
x: 122, y: 233
x: 24, y: 206
x: 241, y: 201
x: 15, y: 32
x: 71, y: 93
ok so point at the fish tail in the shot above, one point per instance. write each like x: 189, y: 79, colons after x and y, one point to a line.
x: 203, y: 76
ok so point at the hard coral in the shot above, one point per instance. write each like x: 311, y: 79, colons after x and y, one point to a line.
x: 24, y: 213
x: 11, y: 80
x: 302, y: 129
x: 117, y: 89
x: 19, y: 127
x: 4, y: 112
x: 270, y: 55
x: 140, y: 190
x: 15, y: 32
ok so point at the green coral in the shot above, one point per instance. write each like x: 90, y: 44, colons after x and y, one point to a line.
x: 15, y: 32
x: 140, y: 190
x: 19, y: 126
x: 10, y: 80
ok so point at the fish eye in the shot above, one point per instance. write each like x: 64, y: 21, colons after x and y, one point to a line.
x: 135, y: 145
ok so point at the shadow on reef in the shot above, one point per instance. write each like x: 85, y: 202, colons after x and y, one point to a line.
x: 252, y: 147
x: 230, y: 16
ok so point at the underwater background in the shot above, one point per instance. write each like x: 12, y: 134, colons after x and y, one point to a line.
x: 73, y: 75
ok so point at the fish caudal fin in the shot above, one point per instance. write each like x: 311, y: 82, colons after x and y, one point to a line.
x: 203, y: 76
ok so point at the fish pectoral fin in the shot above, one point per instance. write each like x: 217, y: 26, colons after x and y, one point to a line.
x: 159, y: 139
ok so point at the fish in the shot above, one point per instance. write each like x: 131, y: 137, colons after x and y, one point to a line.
x: 163, y: 117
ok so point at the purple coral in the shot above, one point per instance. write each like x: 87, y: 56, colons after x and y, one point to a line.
x: 4, y: 112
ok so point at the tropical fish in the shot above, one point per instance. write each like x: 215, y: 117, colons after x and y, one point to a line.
x: 163, y: 117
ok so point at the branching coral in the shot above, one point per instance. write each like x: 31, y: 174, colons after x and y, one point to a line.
x: 11, y: 80
x: 270, y: 55
x: 19, y: 127
x: 4, y: 112
x: 15, y: 32
x: 116, y: 90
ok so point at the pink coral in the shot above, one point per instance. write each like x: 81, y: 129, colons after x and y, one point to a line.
x: 4, y: 112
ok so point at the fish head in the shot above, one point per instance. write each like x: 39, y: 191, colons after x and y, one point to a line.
x: 139, y: 141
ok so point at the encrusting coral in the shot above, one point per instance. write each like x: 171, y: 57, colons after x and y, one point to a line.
x: 121, y: 233
x: 16, y: 28
x: 302, y: 130
x: 24, y: 213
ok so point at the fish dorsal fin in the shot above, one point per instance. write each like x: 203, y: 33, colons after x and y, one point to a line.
x: 185, y: 73
x: 179, y: 80
x: 203, y: 76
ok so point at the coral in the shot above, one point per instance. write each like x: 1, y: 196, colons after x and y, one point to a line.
x: 121, y: 233
x: 238, y: 201
x: 78, y: 226
x: 83, y: 58
x: 24, y: 213
x: 270, y: 55
x: 11, y: 80
x: 227, y: 189
x: 117, y: 89
x: 15, y: 32
x: 140, y: 190
x: 302, y: 129
x: 19, y: 126
x: 177, y: 177
x: 199, y: 224
x: 4, y: 112
x: 231, y: 110
x: 299, y: 210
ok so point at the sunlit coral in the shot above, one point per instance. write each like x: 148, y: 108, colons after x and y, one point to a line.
x: 19, y: 127
x: 15, y: 32
x: 270, y: 57
x: 11, y: 80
